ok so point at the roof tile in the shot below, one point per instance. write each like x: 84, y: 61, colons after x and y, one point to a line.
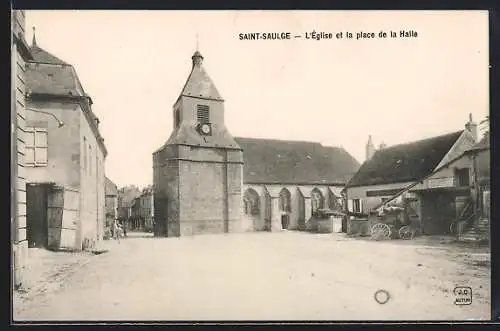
x: 270, y: 161
x: 404, y: 162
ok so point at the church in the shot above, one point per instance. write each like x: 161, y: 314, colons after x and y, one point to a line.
x: 207, y: 181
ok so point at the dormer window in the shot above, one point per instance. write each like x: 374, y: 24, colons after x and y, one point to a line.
x: 203, y: 113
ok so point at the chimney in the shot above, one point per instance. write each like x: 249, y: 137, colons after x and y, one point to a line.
x: 471, y: 126
x: 382, y: 145
x: 369, y: 149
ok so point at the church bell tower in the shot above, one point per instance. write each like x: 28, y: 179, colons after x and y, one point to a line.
x: 198, y: 172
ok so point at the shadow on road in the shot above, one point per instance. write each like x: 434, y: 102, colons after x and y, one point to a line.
x: 138, y: 234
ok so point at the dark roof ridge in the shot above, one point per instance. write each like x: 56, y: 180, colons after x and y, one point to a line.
x: 422, y: 140
x: 404, y: 162
x: 284, y: 140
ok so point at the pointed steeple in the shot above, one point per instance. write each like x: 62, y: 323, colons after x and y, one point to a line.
x: 197, y: 59
x: 369, y: 149
x: 33, y: 42
x: 199, y: 84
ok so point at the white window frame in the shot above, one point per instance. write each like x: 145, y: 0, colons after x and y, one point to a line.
x: 34, y: 131
x: 356, y: 203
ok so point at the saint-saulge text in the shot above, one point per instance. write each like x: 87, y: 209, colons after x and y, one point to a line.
x: 323, y: 35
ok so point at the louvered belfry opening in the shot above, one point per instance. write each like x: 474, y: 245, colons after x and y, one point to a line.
x: 203, y: 113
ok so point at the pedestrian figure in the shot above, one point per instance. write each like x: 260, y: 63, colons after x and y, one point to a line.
x: 116, y: 231
x: 124, y: 227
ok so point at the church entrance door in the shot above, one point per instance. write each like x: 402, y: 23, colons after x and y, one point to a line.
x: 285, y: 221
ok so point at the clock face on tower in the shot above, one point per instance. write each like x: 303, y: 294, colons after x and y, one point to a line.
x: 205, y: 128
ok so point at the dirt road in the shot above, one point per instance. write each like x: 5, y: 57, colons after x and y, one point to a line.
x: 271, y: 276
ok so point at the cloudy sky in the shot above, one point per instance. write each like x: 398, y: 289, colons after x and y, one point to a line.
x: 337, y: 92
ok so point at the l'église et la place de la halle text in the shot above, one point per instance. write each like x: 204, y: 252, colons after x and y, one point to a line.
x: 327, y: 35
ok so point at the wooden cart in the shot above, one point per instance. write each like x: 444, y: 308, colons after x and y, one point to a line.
x: 391, y: 223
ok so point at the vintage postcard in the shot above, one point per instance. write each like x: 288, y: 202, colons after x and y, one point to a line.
x: 250, y: 165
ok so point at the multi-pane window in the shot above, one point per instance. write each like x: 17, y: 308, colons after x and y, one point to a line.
x: 462, y: 177
x: 36, y: 147
x: 203, y: 113
x: 356, y: 205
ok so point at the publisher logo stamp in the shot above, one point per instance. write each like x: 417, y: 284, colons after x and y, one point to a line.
x: 463, y: 295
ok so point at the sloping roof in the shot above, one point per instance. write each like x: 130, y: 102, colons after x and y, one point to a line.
x: 484, y: 143
x: 186, y: 134
x: 128, y: 196
x: 53, y: 79
x: 269, y: 161
x: 199, y: 83
x: 48, y: 75
x: 404, y: 162
x: 111, y: 188
x: 42, y: 56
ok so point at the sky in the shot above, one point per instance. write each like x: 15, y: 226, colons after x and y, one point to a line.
x: 334, y: 91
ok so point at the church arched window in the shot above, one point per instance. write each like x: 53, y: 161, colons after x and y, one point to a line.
x: 317, y: 201
x: 334, y: 202
x: 285, y: 201
x: 251, y: 201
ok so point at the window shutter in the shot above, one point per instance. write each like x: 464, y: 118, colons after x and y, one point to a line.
x: 30, y: 138
x: 29, y: 156
x: 203, y: 113
x: 41, y: 156
x: 349, y: 205
x: 360, y: 205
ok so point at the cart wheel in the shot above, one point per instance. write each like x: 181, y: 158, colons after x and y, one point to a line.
x: 382, y: 230
x: 405, y: 232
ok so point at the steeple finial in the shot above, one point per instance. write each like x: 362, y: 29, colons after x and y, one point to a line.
x: 197, y: 41
x: 33, y: 42
x: 197, y: 57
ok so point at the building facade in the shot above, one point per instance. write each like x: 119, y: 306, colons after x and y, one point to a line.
x: 64, y: 158
x: 206, y: 181
x: 431, y: 177
x: 126, y: 198
x: 288, y: 182
x: 111, y: 203
x: 147, y: 209
x: 20, y: 54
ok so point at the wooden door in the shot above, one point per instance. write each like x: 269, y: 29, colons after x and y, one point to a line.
x: 36, y: 215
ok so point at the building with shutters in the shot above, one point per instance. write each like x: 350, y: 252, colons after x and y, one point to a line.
x: 111, y: 203
x: 64, y: 157
x: 432, y: 177
x: 207, y: 181
x: 20, y: 55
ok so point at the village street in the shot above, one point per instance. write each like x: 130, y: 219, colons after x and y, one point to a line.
x: 255, y: 276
